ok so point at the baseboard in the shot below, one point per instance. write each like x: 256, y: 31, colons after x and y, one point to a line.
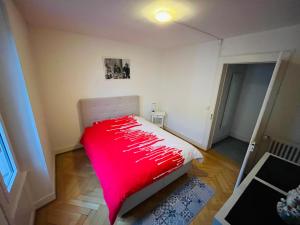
x: 32, y: 218
x: 239, y: 137
x: 67, y: 149
x: 220, y: 139
x: 187, y: 139
x: 52, y: 196
x: 54, y: 173
x: 45, y: 200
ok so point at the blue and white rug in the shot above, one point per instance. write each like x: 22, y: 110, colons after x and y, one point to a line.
x: 181, y: 206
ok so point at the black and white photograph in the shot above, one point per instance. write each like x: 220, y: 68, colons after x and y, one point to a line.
x: 117, y: 68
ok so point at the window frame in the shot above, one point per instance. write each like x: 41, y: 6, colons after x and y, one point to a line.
x: 7, y: 188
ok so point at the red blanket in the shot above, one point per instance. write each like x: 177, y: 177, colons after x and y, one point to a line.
x: 126, y: 159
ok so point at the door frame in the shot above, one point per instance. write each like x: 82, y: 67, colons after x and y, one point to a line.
x: 224, y: 61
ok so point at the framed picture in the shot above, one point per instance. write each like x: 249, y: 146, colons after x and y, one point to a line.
x: 117, y: 68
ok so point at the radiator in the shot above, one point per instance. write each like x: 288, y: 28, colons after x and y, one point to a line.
x: 284, y: 149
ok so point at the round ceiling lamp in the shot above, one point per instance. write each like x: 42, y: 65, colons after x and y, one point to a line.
x: 163, y: 16
x: 164, y: 11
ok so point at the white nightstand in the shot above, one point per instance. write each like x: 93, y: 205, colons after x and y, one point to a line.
x: 158, y: 118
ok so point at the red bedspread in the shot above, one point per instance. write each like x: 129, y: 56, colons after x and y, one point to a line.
x: 126, y: 159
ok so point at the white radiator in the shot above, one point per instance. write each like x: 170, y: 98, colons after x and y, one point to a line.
x: 285, y: 150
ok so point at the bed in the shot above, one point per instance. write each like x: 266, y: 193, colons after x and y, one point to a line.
x: 132, y: 158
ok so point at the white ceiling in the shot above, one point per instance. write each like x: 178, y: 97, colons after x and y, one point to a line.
x: 120, y: 19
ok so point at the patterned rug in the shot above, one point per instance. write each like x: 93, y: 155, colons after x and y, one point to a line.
x: 181, y: 206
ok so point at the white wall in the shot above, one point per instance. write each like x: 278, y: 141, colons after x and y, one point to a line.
x: 19, y: 121
x: 70, y: 67
x: 182, y: 80
x: 20, y: 32
x: 189, y: 75
x: 186, y: 83
x: 254, y: 88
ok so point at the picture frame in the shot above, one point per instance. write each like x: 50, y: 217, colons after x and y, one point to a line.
x: 116, y: 68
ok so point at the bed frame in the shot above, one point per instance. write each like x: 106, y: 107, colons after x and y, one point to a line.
x: 96, y: 109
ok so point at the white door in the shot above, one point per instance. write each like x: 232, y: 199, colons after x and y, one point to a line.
x: 264, y: 114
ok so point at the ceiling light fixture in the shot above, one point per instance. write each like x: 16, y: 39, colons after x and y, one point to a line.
x: 164, y: 11
x: 163, y: 16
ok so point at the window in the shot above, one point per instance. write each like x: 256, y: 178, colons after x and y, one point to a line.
x: 8, y: 167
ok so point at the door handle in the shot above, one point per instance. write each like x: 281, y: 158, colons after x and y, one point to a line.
x: 252, y: 146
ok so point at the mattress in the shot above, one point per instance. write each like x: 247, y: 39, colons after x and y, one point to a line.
x: 129, y: 153
x: 189, y: 152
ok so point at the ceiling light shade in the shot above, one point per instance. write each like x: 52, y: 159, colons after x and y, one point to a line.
x: 163, y: 16
x: 163, y: 11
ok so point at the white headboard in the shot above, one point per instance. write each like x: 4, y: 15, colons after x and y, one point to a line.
x: 96, y: 109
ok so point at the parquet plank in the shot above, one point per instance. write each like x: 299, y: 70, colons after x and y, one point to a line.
x: 80, y: 199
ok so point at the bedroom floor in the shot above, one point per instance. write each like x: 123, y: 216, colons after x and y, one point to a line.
x: 80, y: 201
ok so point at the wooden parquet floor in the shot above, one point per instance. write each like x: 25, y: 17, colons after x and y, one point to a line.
x: 80, y: 201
